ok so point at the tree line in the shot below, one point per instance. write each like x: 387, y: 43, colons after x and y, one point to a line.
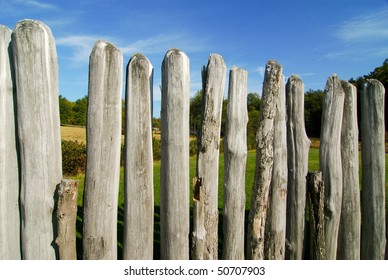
x: 74, y: 113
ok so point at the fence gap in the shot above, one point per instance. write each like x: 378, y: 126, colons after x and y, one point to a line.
x: 103, y: 138
x: 235, y: 154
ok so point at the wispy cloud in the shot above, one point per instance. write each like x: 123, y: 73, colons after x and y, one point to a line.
x: 36, y: 4
x: 80, y: 46
x: 371, y: 26
x: 19, y: 7
x: 260, y: 70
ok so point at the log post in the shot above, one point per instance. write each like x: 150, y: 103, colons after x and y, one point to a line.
x: 213, y: 77
x: 373, y: 171
x: 264, y: 162
x: 138, y: 179
x: 316, y: 193
x: 298, y: 146
x: 66, y: 219
x: 330, y: 160
x: 36, y: 79
x: 235, y: 155
x: 174, y: 169
x: 103, y: 138
x: 9, y: 169
x: 275, y: 229
x: 350, y: 223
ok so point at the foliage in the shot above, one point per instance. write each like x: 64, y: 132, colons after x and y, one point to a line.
x: 156, y: 148
x: 73, y: 113
x: 313, y: 100
x: 73, y: 157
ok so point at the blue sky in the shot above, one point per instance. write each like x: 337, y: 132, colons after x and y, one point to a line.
x: 310, y: 38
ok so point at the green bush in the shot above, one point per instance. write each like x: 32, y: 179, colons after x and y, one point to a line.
x: 73, y: 157
x: 156, y: 144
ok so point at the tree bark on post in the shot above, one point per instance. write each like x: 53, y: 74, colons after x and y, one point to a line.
x: 235, y: 154
x: 36, y: 79
x: 330, y: 161
x: 174, y: 169
x: 103, y: 137
x: 350, y: 222
x: 298, y: 146
x: 213, y: 77
x: 66, y: 219
x: 264, y: 162
x: 9, y: 169
x: 373, y: 171
x: 138, y: 179
x: 316, y: 197
x: 275, y: 235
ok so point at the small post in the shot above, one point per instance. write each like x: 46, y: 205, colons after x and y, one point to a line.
x: 264, y: 162
x: 298, y: 146
x: 235, y: 154
x: 66, y: 219
x: 174, y: 166
x: 138, y: 178
x: 9, y: 169
x: 275, y: 236
x: 38, y: 130
x: 349, y: 235
x: 316, y: 198
x: 330, y: 161
x: 213, y: 76
x: 373, y: 171
x: 103, y: 139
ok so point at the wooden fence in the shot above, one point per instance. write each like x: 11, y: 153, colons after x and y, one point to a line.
x: 38, y: 207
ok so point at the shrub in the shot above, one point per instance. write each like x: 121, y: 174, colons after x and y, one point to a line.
x: 73, y: 157
x: 156, y: 144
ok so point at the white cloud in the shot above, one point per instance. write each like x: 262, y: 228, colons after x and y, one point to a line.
x: 261, y: 70
x: 371, y: 26
x: 80, y: 45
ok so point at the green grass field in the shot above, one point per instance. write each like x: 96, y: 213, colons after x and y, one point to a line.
x: 250, y: 170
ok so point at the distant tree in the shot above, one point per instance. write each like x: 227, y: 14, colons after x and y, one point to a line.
x: 80, y: 109
x: 156, y: 123
x: 313, y: 112
x: 195, y: 112
x: 253, y: 101
x: 66, y: 111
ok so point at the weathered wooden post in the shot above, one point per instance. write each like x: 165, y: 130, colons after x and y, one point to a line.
x: 235, y: 155
x: 103, y: 138
x: 330, y: 161
x: 9, y: 176
x: 350, y: 222
x: 174, y: 169
x: 316, y: 198
x: 138, y: 179
x: 36, y: 79
x: 66, y: 219
x: 298, y: 146
x: 206, y: 235
x: 264, y: 162
x: 275, y: 229
x: 373, y: 171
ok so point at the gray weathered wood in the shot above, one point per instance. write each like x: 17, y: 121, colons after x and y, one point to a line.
x: 264, y: 162
x: 235, y: 154
x: 174, y: 169
x: 66, y: 219
x: 9, y: 176
x: 373, y: 171
x: 298, y: 146
x: 103, y: 138
x: 36, y: 79
x: 316, y: 198
x: 350, y: 222
x: 275, y: 229
x: 213, y: 77
x: 330, y: 160
x: 138, y: 179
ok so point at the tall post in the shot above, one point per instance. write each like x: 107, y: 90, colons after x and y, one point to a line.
x: 350, y: 224
x: 330, y: 161
x: 275, y: 229
x: 235, y: 155
x: 138, y: 179
x: 373, y: 171
x: 36, y: 79
x: 103, y: 138
x: 9, y: 176
x: 206, y: 236
x: 174, y: 169
x: 298, y: 146
x: 264, y: 161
